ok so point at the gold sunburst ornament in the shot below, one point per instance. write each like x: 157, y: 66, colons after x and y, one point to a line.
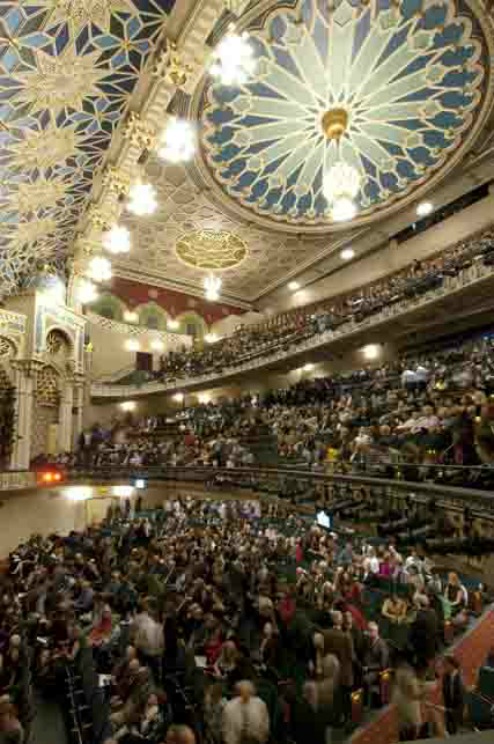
x: 214, y: 250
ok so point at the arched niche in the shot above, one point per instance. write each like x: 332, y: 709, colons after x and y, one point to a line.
x: 192, y: 324
x: 109, y: 306
x: 152, y: 316
x: 47, y: 396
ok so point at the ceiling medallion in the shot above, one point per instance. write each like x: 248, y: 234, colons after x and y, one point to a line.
x: 403, y: 93
x: 214, y: 250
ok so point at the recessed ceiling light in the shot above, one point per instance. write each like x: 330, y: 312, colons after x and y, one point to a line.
x: 424, y: 209
x: 347, y: 254
x: 293, y: 286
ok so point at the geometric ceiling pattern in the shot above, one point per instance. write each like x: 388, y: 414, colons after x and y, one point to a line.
x: 67, y: 70
x: 413, y: 77
x: 184, y: 210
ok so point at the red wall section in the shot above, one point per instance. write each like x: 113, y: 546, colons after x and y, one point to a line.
x: 175, y: 303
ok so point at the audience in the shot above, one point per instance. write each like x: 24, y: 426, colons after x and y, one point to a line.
x: 188, y: 609
x: 290, y: 329
x: 374, y: 420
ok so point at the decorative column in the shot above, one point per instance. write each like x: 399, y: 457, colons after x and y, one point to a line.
x: 65, y: 419
x: 25, y: 386
x: 78, y: 411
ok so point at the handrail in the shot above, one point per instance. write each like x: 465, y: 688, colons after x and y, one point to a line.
x: 256, y: 476
x: 452, y: 285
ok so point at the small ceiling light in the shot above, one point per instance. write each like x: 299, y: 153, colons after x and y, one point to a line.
x: 130, y: 316
x: 371, y: 351
x: 204, y: 398
x: 172, y: 324
x: 347, y: 254
x: 308, y: 367
x: 212, y: 286
x: 86, y: 292
x: 117, y: 239
x: 132, y: 344
x: 157, y: 345
x: 293, y: 286
x: 211, y: 338
x: 233, y: 60
x: 142, y: 199
x: 128, y: 405
x: 179, y: 397
x: 124, y: 492
x: 424, y: 209
x: 99, y: 269
x: 178, y: 141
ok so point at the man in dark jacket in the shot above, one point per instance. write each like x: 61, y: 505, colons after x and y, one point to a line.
x: 340, y: 644
x: 453, y: 694
x: 424, y: 634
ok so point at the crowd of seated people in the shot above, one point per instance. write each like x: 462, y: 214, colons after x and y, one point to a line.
x: 411, y: 417
x: 291, y: 328
x: 241, y: 625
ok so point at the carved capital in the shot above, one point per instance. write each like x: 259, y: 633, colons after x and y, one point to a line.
x: 139, y: 132
x: 116, y: 181
x: 170, y: 68
x: 97, y: 218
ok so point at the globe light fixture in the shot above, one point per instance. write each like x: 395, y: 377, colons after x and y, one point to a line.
x: 172, y: 324
x: 212, y: 286
x: 117, y: 240
x: 142, y: 199
x: 99, y: 269
x: 86, y: 292
x: 178, y: 141
x: 293, y: 286
x: 343, y: 209
x: 233, y: 60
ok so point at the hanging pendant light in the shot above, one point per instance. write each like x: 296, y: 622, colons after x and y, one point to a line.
x: 99, y: 269
x: 117, y: 240
x: 86, y: 292
x: 234, y: 60
x: 212, y: 287
x: 178, y: 141
x: 342, y: 181
x: 142, y: 199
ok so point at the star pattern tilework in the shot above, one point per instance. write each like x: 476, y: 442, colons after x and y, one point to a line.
x: 67, y: 70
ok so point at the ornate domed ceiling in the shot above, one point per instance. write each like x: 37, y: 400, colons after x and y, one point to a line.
x: 413, y: 77
x: 67, y: 71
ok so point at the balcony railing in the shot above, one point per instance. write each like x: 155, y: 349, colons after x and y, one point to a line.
x: 17, y: 480
x: 466, y: 278
x: 434, y: 482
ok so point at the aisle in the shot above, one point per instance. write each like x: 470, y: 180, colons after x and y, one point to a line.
x: 48, y: 726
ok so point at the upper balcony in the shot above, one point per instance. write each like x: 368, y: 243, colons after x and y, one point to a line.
x: 438, y: 306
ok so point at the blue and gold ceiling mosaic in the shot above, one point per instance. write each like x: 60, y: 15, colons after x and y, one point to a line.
x: 413, y: 76
x: 67, y: 70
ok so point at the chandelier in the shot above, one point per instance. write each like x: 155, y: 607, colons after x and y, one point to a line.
x: 212, y: 286
x: 117, y: 239
x: 86, y: 292
x: 178, y: 141
x: 233, y: 61
x: 142, y: 199
x: 341, y: 182
x: 99, y: 269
